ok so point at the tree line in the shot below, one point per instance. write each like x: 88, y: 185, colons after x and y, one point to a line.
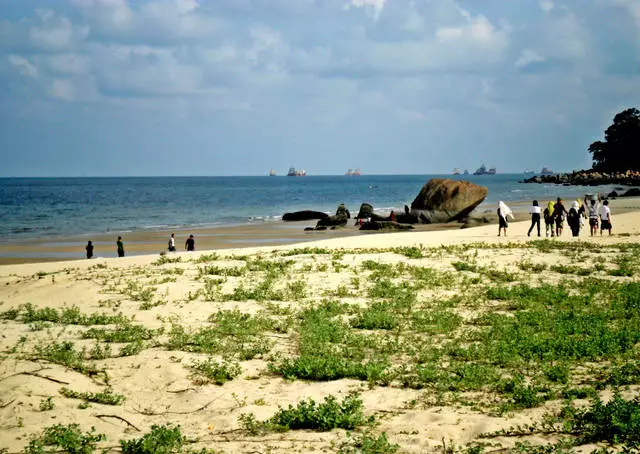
x: 620, y: 150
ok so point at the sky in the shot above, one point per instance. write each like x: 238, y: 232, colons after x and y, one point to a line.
x: 239, y: 87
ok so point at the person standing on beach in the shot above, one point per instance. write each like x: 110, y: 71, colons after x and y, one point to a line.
x: 190, y: 244
x: 548, y: 220
x: 534, y: 211
x: 573, y: 218
x: 89, y: 249
x: 503, y: 212
x: 605, y: 217
x: 558, y: 213
x: 172, y: 243
x: 120, y: 246
x: 593, y: 217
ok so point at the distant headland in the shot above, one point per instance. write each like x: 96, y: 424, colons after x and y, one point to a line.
x: 616, y: 160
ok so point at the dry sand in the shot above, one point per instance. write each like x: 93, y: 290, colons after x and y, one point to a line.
x: 157, y: 384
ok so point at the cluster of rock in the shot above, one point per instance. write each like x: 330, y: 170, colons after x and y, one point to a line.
x: 633, y: 192
x: 589, y: 178
x: 439, y: 201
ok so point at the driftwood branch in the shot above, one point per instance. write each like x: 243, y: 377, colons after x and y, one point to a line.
x: 119, y: 418
x: 178, y: 391
x: 22, y: 373
x: 34, y: 373
x: 7, y: 404
x: 55, y: 380
x: 154, y: 413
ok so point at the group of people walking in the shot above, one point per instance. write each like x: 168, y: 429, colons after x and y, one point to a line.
x: 554, y: 215
x: 189, y: 245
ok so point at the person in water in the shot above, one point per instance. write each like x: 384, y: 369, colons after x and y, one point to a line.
x: 605, y: 217
x: 190, y: 244
x: 573, y: 218
x: 548, y: 220
x: 120, y: 247
x: 558, y: 213
x: 593, y: 217
x: 89, y: 249
x: 172, y: 243
x: 534, y: 211
x: 503, y: 212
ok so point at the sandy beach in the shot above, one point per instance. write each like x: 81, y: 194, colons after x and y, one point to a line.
x: 200, y: 339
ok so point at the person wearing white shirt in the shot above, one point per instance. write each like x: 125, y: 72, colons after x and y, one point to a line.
x: 534, y: 211
x: 172, y: 243
x: 605, y: 217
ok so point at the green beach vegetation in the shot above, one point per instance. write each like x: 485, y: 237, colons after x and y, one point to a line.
x: 482, y: 329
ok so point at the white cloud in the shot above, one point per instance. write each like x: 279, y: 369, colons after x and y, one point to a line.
x: 546, y: 5
x: 633, y: 6
x: 376, y: 6
x: 449, y: 33
x: 566, y: 38
x: 25, y: 67
x: 69, y: 64
x: 478, y: 29
x: 54, y: 32
x: 528, y: 57
x: 63, y: 90
x: 111, y: 13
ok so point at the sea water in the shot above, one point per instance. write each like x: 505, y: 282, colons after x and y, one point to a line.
x: 50, y: 207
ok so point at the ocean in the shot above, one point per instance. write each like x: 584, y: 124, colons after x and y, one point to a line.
x: 51, y: 207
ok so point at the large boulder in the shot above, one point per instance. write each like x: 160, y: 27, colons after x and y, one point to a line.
x: 366, y: 211
x: 332, y: 221
x: 444, y: 200
x: 304, y: 215
x: 342, y: 211
x: 340, y: 218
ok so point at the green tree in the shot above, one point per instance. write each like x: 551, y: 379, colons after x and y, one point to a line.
x: 620, y: 150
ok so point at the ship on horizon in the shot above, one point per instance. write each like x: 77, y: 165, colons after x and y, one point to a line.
x: 456, y: 171
x: 293, y: 172
x: 546, y: 171
x: 353, y: 172
x: 272, y: 173
x: 482, y: 170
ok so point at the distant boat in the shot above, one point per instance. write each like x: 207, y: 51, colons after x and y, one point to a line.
x: 293, y: 172
x: 353, y: 172
x: 546, y: 171
x: 482, y: 170
x: 466, y: 172
x: 456, y: 171
x: 272, y: 173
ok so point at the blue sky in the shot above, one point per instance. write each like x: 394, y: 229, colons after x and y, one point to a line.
x: 237, y: 87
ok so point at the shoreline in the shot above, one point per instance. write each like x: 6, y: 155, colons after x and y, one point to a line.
x: 271, y: 234
x: 625, y: 228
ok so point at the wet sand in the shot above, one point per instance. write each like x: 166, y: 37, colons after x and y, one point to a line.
x: 154, y: 242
